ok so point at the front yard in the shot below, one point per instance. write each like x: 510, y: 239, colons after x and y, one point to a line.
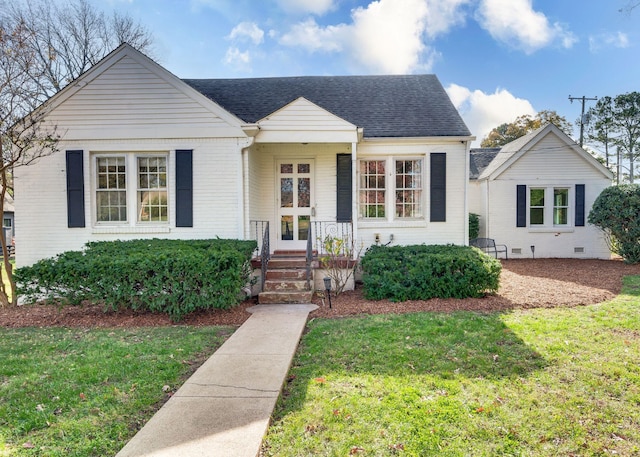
x: 562, y: 381
x: 524, y: 372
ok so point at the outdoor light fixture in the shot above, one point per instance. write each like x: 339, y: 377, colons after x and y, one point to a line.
x: 327, y: 287
x: 533, y: 251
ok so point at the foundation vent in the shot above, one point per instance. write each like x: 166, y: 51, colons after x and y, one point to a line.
x: 516, y: 250
x: 579, y: 250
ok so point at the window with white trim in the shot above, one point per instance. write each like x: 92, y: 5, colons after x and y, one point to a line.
x: 130, y: 182
x: 545, y: 211
x: 391, y: 188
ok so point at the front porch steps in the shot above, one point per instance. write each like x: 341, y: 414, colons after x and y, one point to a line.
x: 286, y: 280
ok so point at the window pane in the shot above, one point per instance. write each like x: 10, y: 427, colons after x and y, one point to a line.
x: 408, y: 188
x: 536, y: 216
x: 303, y: 227
x: 304, y: 168
x: 286, y: 192
x: 286, y: 227
x: 304, y: 192
x: 560, y: 197
x: 537, y: 197
x: 372, y: 188
x: 560, y: 216
x: 286, y: 168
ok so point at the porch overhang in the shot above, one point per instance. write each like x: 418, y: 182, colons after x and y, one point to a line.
x: 307, y: 136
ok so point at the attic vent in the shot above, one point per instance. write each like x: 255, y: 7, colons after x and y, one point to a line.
x: 578, y: 250
x: 516, y: 250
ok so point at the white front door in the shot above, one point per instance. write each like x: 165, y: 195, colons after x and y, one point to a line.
x: 295, y: 197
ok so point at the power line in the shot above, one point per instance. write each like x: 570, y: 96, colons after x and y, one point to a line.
x: 583, y: 98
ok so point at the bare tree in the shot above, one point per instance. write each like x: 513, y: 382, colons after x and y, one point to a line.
x: 44, y: 46
x: 23, y: 136
x: 66, y: 39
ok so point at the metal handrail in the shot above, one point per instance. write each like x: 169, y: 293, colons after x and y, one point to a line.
x: 265, y: 255
x: 309, y: 256
x: 343, y: 230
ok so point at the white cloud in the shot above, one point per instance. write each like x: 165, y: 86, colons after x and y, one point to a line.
x: 247, y: 31
x: 310, y: 36
x: 318, y: 7
x: 515, y: 23
x: 234, y: 57
x: 482, y: 112
x: 607, y: 40
x: 386, y: 36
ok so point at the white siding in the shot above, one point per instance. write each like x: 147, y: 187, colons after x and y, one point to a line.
x: 128, y: 100
x: 304, y: 122
x: 477, y: 199
x: 40, y: 192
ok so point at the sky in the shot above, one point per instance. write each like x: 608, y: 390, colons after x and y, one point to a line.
x: 497, y: 59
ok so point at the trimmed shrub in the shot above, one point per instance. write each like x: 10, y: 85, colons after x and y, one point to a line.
x: 616, y: 212
x: 474, y: 225
x: 401, y: 273
x: 175, y: 277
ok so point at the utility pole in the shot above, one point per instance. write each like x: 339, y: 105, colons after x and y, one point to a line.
x: 583, y: 98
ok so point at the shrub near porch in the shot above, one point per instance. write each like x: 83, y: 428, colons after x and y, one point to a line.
x: 422, y: 272
x: 175, y: 277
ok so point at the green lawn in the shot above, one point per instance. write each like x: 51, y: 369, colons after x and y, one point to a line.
x: 528, y: 383
x: 79, y: 392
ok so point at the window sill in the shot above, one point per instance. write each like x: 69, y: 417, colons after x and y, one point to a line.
x: 551, y: 229
x: 414, y: 223
x: 128, y: 229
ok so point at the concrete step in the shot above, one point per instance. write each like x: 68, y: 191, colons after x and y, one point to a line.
x: 295, y: 273
x: 285, y: 285
x: 286, y: 263
x: 285, y: 297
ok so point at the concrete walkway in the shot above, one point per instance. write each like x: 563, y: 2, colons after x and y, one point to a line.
x: 224, y: 408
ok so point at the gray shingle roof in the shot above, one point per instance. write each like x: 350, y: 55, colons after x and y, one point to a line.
x: 385, y: 106
x: 479, y: 159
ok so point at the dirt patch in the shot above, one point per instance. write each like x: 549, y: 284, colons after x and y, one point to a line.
x: 524, y: 284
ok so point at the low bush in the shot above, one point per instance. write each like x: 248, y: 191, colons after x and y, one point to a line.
x: 474, y: 225
x: 175, y: 277
x: 422, y: 272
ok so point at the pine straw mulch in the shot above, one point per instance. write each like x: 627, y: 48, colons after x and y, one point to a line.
x: 524, y: 284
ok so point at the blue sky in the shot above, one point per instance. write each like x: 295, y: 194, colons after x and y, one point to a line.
x: 497, y: 58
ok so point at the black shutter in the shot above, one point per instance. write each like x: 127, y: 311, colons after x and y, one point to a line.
x: 75, y: 189
x: 184, y: 188
x: 344, y: 188
x: 438, y: 184
x: 579, y: 205
x: 521, y: 205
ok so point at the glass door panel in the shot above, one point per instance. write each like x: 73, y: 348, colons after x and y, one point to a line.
x: 295, y: 202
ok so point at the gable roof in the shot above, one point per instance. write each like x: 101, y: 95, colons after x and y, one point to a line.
x: 385, y: 106
x: 479, y: 160
x: 511, y: 152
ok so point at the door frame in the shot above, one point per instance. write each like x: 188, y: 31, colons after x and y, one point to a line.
x: 295, y: 212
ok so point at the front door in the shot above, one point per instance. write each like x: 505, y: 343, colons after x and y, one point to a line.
x: 295, y: 197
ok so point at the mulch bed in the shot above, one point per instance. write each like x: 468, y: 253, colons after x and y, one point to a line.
x: 524, y: 284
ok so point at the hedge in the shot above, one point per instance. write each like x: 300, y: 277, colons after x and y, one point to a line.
x: 421, y: 272
x: 175, y: 277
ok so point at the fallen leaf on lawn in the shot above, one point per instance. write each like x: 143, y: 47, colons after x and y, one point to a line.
x: 336, y: 412
x: 166, y: 388
x: 397, y: 447
x: 320, y: 380
x: 82, y: 396
x: 28, y: 445
x: 355, y: 450
x: 39, y: 407
x: 480, y: 410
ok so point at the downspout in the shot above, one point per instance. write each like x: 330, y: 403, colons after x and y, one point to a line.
x: 467, y: 160
x: 354, y: 193
x: 243, y: 188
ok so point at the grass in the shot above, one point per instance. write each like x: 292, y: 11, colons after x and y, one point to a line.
x: 541, y: 382
x: 80, y: 392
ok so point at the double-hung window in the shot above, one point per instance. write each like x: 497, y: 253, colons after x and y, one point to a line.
x: 548, y: 206
x: 391, y: 188
x: 131, y: 189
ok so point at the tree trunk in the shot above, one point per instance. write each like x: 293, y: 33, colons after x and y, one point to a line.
x: 4, y: 293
